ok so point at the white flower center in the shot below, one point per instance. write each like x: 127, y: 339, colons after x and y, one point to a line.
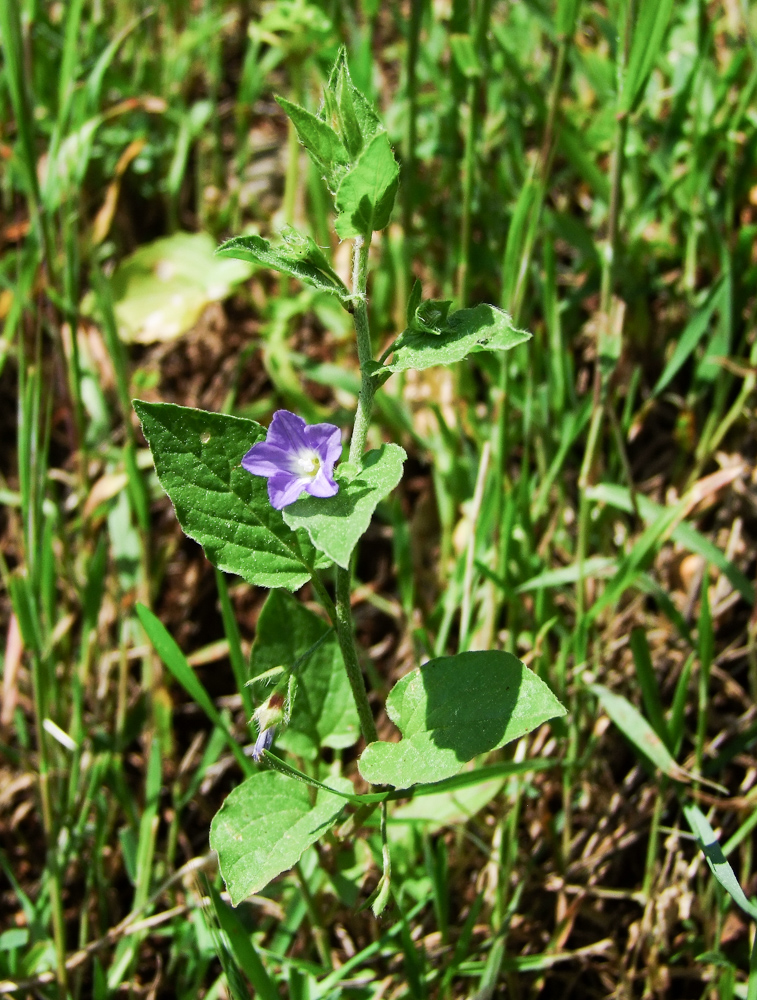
x: 306, y: 464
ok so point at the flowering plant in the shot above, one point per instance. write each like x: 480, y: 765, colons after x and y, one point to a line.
x: 266, y: 505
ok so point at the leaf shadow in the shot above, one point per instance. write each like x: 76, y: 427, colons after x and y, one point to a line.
x: 469, y: 704
x: 342, y: 505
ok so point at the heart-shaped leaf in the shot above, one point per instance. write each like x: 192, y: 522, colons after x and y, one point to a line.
x: 264, y: 827
x: 197, y: 457
x: 452, y: 709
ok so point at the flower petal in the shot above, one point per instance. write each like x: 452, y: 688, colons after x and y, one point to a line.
x: 284, y: 488
x: 327, y: 441
x: 287, y: 432
x: 322, y: 485
x: 265, y: 459
x: 263, y: 742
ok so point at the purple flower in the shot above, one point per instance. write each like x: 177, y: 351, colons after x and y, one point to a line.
x: 263, y: 742
x: 294, y: 457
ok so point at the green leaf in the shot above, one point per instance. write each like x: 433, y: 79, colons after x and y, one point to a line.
x: 357, y: 121
x: 482, y: 328
x: 430, y: 316
x: 197, y: 458
x: 450, y: 808
x: 715, y: 858
x: 650, y: 691
x: 349, y: 126
x: 323, y: 713
x: 637, y: 730
x: 695, y: 329
x: 594, y: 566
x: 173, y: 658
x: 160, y: 291
x: 366, y: 194
x: 168, y: 650
x: 335, y: 524
x: 565, y: 18
x: 465, y: 56
x: 369, y: 122
x: 326, y: 149
x: 648, y: 34
x: 517, y: 237
x: 301, y: 257
x: 452, y: 709
x: 264, y: 827
x: 242, y: 947
x: 416, y: 293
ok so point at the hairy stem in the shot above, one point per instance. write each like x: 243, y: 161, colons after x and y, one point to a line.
x: 364, y: 350
x: 346, y: 634
x: 343, y: 611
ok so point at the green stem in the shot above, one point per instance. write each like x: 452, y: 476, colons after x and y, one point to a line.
x: 608, y: 283
x: 342, y: 617
x: 613, y: 227
x: 53, y: 868
x: 583, y: 515
x: 469, y: 162
x: 616, y: 173
x: 293, y: 151
x: 364, y: 350
x: 751, y: 993
x: 346, y: 636
x: 411, y: 84
x: 316, y: 922
x: 653, y: 843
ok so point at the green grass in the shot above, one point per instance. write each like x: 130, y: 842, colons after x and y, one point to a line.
x: 585, y: 503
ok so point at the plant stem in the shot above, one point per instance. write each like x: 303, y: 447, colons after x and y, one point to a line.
x: 469, y: 163
x: 346, y: 636
x: 611, y: 247
x: 609, y: 271
x: 344, y: 624
x: 752, y: 987
x: 475, y: 510
x: 342, y: 613
x: 53, y: 868
x: 411, y: 85
x: 316, y: 922
x: 291, y: 180
x: 364, y: 350
x: 583, y: 515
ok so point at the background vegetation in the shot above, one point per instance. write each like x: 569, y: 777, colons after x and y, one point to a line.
x: 588, y: 505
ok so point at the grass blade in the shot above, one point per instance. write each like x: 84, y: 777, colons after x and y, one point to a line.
x: 716, y: 860
x: 242, y: 949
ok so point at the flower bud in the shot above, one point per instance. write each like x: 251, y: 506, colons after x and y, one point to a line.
x: 271, y: 712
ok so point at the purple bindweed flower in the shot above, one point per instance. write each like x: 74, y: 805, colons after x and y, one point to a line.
x: 296, y: 456
x: 263, y: 742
